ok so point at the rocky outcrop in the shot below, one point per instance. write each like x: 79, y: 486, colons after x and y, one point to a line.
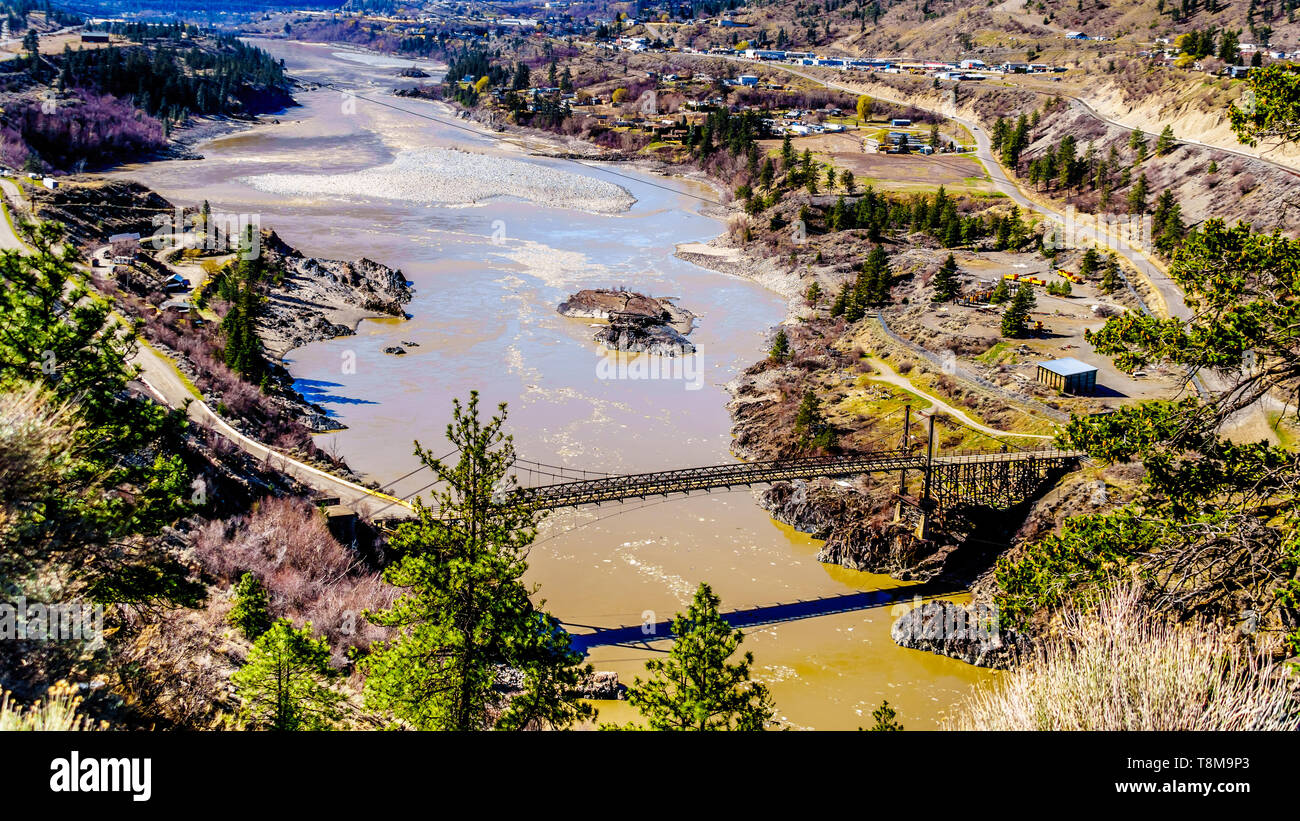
x: 637, y: 323
x: 857, y: 522
x: 857, y: 526
x: 971, y: 634
x: 601, y: 303
x: 635, y: 334
x: 602, y: 685
x: 323, y: 298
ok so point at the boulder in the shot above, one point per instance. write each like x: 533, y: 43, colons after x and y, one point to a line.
x: 972, y: 634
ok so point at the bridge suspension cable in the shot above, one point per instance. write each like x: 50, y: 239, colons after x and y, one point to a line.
x: 561, y: 473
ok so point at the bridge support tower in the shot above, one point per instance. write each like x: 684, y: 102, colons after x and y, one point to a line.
x: 902, y: 474
x: 927, y: 501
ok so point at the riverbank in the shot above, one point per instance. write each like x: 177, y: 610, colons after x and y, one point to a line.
x: 162, y: 279
x: 319, y: 299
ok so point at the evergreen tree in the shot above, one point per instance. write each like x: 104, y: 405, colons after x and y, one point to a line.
x: 521, y: 78
x: 1137, y: 139
x: 886, y: 718
x: 877, y: 278
x: 243, y: 286
x: 285, y: 684
x: 1137, y: 196
x: 31, y: 44
x: 1001, y: 292
x: 1090, y: 263
x: 999, y: 136
x: 696, y: 687
x: 840, y: 305
x: 1110, y: 281
x: 811, y: 429
x: 813, y: 295
x: 946, y: 284
x: 1230, y: 47
x: 465, y: 611
x: 780, y: 350
x: 1167, y: 227
x: 1165, y: 143
x: 1015, y: 320
x: 251, y: 613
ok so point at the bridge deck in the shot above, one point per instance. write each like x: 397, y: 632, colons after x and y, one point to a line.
x: 711, y: 477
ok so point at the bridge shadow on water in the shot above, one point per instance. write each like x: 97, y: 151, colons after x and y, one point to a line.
x: 642, y: 635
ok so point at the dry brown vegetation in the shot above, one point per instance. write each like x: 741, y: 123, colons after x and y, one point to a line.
x: 308, y: 575
x: 1122, y: 666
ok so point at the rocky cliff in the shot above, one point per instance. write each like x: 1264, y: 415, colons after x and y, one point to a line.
x: 324, y: 298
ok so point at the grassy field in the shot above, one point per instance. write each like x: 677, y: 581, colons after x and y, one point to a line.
x: 901, y: 173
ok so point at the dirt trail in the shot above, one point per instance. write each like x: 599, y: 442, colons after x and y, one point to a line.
x: 886, y: 374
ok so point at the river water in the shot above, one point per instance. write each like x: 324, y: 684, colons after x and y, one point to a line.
x: 487, y: 278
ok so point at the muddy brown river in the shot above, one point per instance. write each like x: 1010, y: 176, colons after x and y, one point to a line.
x: 348, y: 174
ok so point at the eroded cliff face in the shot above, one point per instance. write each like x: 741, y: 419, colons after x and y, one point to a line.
x: 857, y: 522
x: 323, y: 298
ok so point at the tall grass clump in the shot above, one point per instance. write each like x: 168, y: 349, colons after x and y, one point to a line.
x: 58, y: 712
x: 1120, y: 667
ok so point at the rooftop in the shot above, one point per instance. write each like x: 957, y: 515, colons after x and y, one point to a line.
x: 1068, y: 366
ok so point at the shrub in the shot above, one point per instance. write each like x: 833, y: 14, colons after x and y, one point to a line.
x: 306, y: 573
x: 1121, y: 667
x: 58, y: 712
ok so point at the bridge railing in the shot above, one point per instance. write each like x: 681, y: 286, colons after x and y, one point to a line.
x: 711, y: 476
x: 707, y: 477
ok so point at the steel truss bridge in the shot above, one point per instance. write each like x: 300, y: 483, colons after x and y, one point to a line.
x: 999, y: 479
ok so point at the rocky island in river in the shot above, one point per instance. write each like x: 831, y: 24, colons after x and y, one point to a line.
x: 636, y: 323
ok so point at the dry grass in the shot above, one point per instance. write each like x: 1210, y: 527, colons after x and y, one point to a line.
x: 57, y: 713
x: 1122, y: 668
x: 34, y: 442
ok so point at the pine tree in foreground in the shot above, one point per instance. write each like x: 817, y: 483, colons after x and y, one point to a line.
x: 886, y: 719
x: 285, y: 684
x: 696, y: 687
x: 465, y: 613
